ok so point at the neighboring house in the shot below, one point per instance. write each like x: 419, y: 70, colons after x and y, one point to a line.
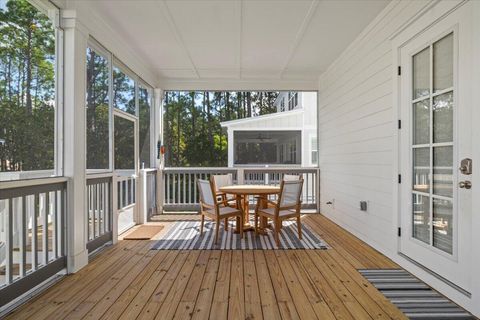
x: 286, y: 137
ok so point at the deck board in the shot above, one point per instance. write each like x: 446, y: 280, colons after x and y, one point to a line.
x: 129, y: 281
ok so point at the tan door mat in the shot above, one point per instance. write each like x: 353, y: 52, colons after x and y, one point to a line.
x: 143, y: 233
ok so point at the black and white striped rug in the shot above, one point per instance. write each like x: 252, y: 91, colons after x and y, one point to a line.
x: 413, y: 297
x: 185, y: 235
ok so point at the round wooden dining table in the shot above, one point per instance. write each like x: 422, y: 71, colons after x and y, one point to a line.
x: 242, y: 192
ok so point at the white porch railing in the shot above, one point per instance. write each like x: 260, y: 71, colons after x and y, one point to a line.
x: 99, y: 210
x: 32, y: 239
x: 180, y: 189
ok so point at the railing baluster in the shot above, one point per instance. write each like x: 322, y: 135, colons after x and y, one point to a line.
x: 120, y: 192
x: 34, y: 233
x: 105, y: 200
x: 168, y: 189
x: 46, y: 212
x: 9, y: 244
x: 195, y: 188
x: 178, y: 188
x: 94, y: 211
x: 99, y: 204
x: 54, y: 225
x: 23, y: 238
x: 110, y: 205
x: 184, y: 192
x: 174, y: 189
x: 61, y: 224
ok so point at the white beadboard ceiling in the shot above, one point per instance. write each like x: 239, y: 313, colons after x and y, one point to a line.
x: 238, y: 40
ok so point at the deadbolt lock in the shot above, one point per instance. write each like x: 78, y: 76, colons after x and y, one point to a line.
x: 465, y: 184
x: 466, y: 166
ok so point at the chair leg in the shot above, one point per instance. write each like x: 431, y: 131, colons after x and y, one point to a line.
x: 217, y: 227
x: 226, y: 224
x: 201, y: 224
x: 277, y: 231
x: 299, y: 226
x: 241, y: 228
x: 256, y: 224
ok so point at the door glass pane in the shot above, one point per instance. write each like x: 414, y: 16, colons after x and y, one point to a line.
x: 98, y: 115
x: 443, y: 63
x: 123, y: 91
x: 443, y: 225
x: 144, y: 106
x: 443, y: 118
x: 124, y: 135
x: 421, y: 73
x: 421, y: 169
x: 421, y: 218
x: 421, y: 122
x: 443, y: 171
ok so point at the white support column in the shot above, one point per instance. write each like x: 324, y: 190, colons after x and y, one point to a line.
x: 160, y: 163
x: 142, y: 197
x: 75, y: 42
x: 230, y: 147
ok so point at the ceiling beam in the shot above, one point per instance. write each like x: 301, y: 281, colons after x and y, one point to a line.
x: 300, y: 34
x: 175, y: 31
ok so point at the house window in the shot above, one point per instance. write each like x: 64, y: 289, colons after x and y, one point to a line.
x: 28, y: 104
x: 292, y: 100
x: 314, y: 151
x: 144, y: 116
x: 282, y: 105
x: 267, y: 147
x: 98, y: 110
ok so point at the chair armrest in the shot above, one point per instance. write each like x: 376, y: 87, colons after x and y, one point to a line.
x: 204, y: 205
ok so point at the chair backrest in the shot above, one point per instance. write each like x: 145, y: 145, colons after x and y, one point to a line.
x: 290, y: 177
x: 290, y: 192
x: 222, y: 180
x: 206, y: 193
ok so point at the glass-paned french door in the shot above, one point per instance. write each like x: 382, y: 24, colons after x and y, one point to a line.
x: 125, y: 140
x: 435, y: 140
x: 432, y: 144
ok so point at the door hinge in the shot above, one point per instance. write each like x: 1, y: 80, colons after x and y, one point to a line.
x: 399, y: 71
x: 399, y: 232
x: 399, y: 124
x: 399, y: 178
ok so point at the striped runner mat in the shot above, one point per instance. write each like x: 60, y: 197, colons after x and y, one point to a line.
x: 413, y: 297
x: 185, y: 235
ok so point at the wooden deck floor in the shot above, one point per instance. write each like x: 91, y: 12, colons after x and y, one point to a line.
x: 130, y: 281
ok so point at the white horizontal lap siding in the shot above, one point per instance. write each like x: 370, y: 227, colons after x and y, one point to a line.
x: 357, y: 120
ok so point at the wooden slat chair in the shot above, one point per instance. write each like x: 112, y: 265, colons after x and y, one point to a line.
x: 219, y: 181
x: 285, y: 177
x: 214, y: 209
x: 223, y: 180
x: 287, y: 207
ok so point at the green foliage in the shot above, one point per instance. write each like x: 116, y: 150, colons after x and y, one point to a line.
x: 192, y: 131
x: 27, y: 88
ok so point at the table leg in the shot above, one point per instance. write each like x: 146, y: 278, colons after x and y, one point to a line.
x: 239, y: 222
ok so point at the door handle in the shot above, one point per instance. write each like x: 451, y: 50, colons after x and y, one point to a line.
x: 465, y: 184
